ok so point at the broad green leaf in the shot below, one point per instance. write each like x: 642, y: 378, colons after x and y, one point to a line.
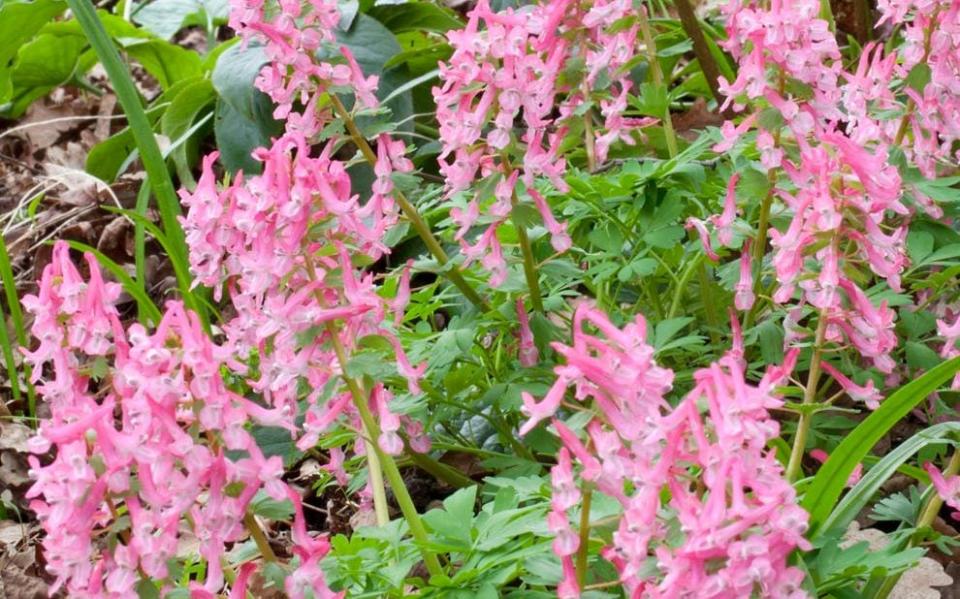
x: 416, y: 16
x: 277, y: 441
x: 180, y: 116
x: 168, y: 63
x: 828, y: 484
x: 164, y: 18
x: 268, y: 507
x: 858, y: 497
x: 20, y: 20
x: 244, y: 115
x: 47, y: 61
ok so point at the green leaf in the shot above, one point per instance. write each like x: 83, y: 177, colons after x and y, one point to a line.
x: 20, y: 20
x: 164, y: 18
x: 47, y: 61
x: 107, y: 157
x: 828, y: 484
x: 416, y: 16
x: 918, y: 77
x: 653, y: 100
x: 919, y: 245
x: 167, y: 62
x: 268, y: 507
x: 858, y: 497
x: 273, y: 441
x: 179, y: 117
x: 920, y: 355
x: 667, y: 329
x: 244, y: 115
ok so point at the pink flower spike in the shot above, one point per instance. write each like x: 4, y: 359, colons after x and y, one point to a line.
x: 569, y: 588
x: 949, y: 490
x: 402, y: 298
x: 868, y: 394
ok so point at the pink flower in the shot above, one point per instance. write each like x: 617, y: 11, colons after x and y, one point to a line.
x: 529, y: 355
x: 743, y: 290
x: 866, y: 393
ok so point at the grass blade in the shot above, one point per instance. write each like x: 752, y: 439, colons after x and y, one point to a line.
x: 153, y: 162
x: 860, y: 495
x: 828, y: 484
x: 180, y: 267
x: 20, y: 333
x: 12, y: 373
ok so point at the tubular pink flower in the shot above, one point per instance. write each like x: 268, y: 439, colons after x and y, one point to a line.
x: 865, y: 393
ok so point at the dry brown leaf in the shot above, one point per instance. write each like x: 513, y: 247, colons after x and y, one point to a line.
x: 45, y: 125
x: 18, y: 583
x: 13, y: 470
x: 14, y: 435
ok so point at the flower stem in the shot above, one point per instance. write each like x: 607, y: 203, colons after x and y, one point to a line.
x: 583, y: 550
x: 410, y: 211
x: 760, y: 249
x: 927, y: 516
x: 529, y: 262
x: 809, y: 394
x: 911, y: 105
x: 648, y: 41
x: 693, y: 267
x: 258, y: 537
x: 376, y: 457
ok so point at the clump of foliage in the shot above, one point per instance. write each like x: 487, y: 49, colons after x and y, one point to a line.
x: 641, y: 334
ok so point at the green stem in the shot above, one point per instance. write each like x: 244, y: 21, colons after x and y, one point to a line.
x: 439, y: 470
x: 678, y: 293
x: 153, y: 162
x: 410, y: 211
x: 371, y: 431
x: 709, y: 306
x: 529, y: 262
x: 809, y: 395
x: 927, y: 517
x: 20, y: 332
x: 759, y: 250
x: 668, y: 132
x: 259, y: 538
x: 583, y: 550
x: 140, y: 239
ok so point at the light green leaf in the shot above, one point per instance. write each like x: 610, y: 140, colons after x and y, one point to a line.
x: 828, y: 484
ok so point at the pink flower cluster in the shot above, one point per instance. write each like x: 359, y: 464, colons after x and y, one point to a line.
x: 282, y: 243
x: 844, y: 197
x: 150, y: 437
x: 504, y: 107
x: 710, y: 476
